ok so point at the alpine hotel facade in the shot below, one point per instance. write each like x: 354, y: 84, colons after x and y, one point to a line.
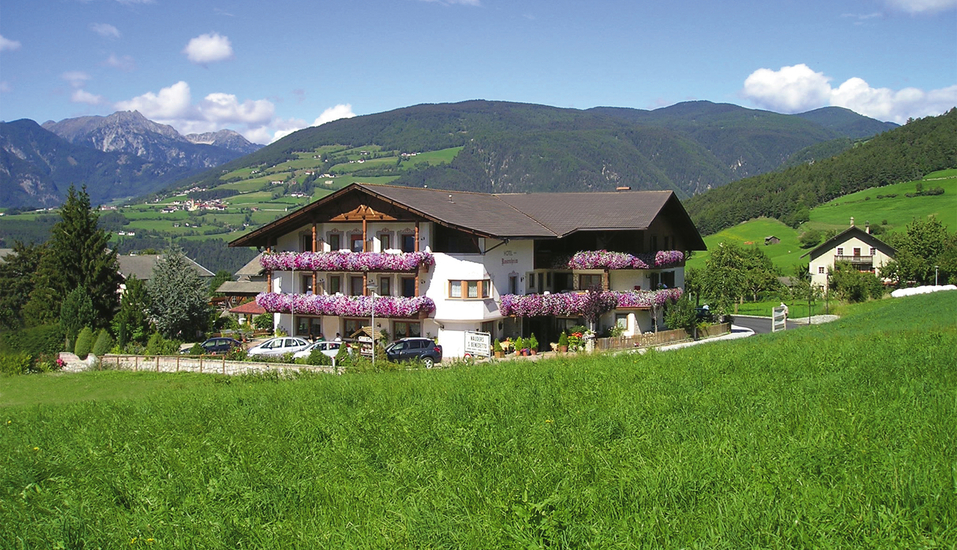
x: 440, y: 263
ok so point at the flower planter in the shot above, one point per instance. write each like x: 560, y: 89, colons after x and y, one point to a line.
x: 562, y: 349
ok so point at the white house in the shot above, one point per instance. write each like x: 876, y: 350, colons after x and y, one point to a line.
x: 439, y: 263
x: 853, y: 245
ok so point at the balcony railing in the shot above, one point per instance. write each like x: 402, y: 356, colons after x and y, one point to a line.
x: 603, y: 259
x: 346, y: 261
x: 855, y: 259
x: 346, y: 306
x: 575, y: 304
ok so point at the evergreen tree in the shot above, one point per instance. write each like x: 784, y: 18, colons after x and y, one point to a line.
x: 76, y: 312
x: 77, y: 257
x: 178, y: 297
x: 132, y: 322
x: 16, y: 281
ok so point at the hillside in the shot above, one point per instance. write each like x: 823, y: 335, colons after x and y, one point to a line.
x: 903, y: 154
x: 887, y: 209
x: 513, y: 147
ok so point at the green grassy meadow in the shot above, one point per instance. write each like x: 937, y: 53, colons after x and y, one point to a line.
x: 831, y: 436
x: 864, y: 206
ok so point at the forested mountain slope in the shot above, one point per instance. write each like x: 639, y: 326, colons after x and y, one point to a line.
x: 905, y: 153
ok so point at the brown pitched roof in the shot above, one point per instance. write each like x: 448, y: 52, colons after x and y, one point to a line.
x: 512, y: 216
x: 847, y: 234
x: 249, y: 308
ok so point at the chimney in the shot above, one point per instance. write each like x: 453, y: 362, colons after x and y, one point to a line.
x: 867, y: 227
x: 852, y: 221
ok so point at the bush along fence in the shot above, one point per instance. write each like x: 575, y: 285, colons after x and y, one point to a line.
x: 195, y: 363
x: 658, y: 338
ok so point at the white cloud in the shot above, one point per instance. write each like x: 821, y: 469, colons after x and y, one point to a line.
x: 334, y: 113
x: 225, y: 108
x: 208, y: 48
x: 170, y: 103
x: 922, y: 6
x: 798, y: 89
x: 82, y: 96
x: 77, y: 79
x: 7, y: 45
x: 105, y: 30
x: 124, y: 63
x: 790, y: 90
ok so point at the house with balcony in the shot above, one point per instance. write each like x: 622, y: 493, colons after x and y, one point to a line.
x: 441, y: 263
x: 854, y: 245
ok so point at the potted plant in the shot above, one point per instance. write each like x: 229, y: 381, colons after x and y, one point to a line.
x: 519, y: 346
x: 533, y: 344
x: 497, y: 349
x: 563, y: 342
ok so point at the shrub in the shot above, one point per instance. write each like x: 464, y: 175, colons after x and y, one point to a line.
x: 14, y: 363
x: 681, y: 314
x: 84, y: 342
x: 563, y: 339
x: 41, y: 340
x: 103, y: 343
x: 497, y: 346
x: 263, y: 322
x: 158, y: 345
x: 316, y: 357
x: 343, y: 357
x: 197, y: 349
x: 532, y: 342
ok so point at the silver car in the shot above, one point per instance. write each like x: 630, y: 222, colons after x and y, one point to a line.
x: 275, y: 347
x: 329, y: 349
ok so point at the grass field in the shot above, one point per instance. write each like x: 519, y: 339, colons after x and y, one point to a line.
x: 835, y: 215
x: 832, y: 436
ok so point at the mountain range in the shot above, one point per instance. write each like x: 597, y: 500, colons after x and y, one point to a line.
x: 503, y: 147
x: 116, y: 156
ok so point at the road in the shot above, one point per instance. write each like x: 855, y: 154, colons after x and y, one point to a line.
x: 762, y: 325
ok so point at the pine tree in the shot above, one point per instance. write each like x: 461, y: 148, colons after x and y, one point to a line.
x: 132, y: 322
x: 76, y: 312
x: 179, y: 303
x: 77, y: 257
x: 16, y: 281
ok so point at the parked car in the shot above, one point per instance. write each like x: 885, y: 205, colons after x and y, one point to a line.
x: 415, y: 349
x: 329, y: 349
x: 220, y: 344
x: 275, y: 347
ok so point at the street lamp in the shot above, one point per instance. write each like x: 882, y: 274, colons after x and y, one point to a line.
x: 935, y: 275
x: 371, y: 286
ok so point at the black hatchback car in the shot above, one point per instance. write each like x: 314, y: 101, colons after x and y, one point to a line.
x: 415, y: 349
x: 220, y: 345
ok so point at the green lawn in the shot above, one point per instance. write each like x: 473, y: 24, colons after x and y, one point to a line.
x: 832, y: 436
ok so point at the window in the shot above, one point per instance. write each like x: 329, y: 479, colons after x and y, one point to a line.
x: 356, y: 287
x: 668, y: 279
x: 408, y: 287
x: 857, y: 252
x: 305, y: 285
x: 335, y: 241
x: 385, y: 286
x: 335, y: 284
x: 470, y: 290
x: 873, y: 252
x: 654, y: 243
x: 408, y: 242
x: 308, y: 326
x: 820, y: 270
x: 406, y: 329
x: 840, y: 251
x: 531, y: 280
x: 355, y: 242
x: 513, y: 284
x: 305, y: 243
x: 621, y: 321
x: 587, y: 282
x: 352, y: 325
x: 541, y: 282
x: 385, y: 241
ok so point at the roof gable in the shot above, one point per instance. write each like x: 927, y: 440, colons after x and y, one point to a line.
x: 852, y: 232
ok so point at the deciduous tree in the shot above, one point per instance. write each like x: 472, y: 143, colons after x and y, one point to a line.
x: 178, y: 297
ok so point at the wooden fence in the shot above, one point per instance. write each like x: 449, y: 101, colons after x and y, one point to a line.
x: 197, y: 363
x: 658, y: 338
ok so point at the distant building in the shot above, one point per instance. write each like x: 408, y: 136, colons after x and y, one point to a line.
x: 853, y: 245
x: 771, y: 239
x: 142, y: 266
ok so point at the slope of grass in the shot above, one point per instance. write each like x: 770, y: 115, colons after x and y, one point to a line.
x: 752, y: 233
x: 829, y: 436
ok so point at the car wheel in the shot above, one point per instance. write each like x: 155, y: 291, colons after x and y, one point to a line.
x: 428, y: 362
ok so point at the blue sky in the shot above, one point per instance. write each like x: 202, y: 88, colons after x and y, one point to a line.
x: 267, y: 69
